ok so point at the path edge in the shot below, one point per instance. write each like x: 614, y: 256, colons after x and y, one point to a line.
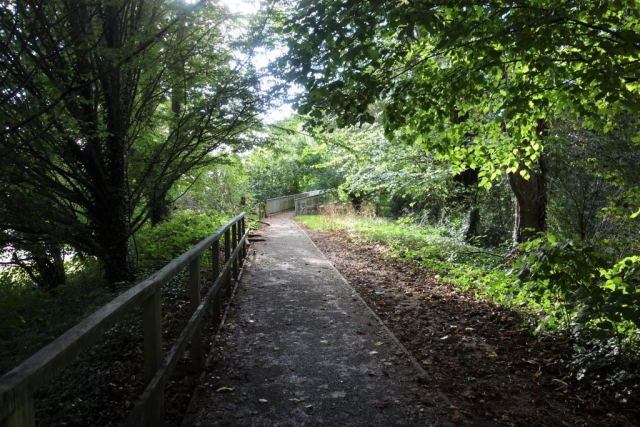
x: 423, y: 374
x: 209, y: 359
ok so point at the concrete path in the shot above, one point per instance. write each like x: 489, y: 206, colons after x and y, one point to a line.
x: 299, y: 348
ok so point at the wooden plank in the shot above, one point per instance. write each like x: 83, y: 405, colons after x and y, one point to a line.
x: 49, y: 361
x: 243, y: 231
x: 234, y: 245
x: 227, y: 254
x: 24, y: 415
x: 194, y: 302
x: 152, y: 325
x: 136, y: 418
x: 215, y: 272
x: 238, y: 239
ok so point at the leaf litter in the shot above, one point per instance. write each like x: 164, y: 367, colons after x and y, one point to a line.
x: 489, y: 368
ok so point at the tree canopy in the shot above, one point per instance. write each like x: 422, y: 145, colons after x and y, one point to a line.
x: 501, y: 64
x: 105, y: 106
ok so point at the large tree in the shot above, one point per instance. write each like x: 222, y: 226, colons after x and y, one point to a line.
x: 509, y: 66
x: 90, y: 144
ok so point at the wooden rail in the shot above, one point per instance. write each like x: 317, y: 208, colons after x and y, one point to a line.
x: 18, y: 385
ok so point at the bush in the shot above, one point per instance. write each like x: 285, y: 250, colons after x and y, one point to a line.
x: 167, y: 240
x: 586, y: 288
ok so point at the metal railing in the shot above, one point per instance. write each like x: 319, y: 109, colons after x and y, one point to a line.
x: 18, y: 385
x: 310, y: 204
x: 284, y: 203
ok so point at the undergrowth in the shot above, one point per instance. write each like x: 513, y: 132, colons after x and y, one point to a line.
x: 540, y: 284
x: 30, y: 317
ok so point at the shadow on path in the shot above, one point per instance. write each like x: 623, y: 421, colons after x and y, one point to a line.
x: 300, y: 348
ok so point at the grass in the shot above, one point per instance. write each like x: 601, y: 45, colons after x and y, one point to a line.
x: 441, y: 251
x: 31, y: 318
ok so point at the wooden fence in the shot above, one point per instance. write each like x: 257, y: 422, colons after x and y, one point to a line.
x: 18, y: 385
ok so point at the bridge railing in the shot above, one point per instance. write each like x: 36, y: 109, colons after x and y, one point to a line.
x: 18, y: 385
x: 310, y: 203
x: 284, y: 203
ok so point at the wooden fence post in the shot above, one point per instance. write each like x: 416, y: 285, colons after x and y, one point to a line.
x: 24, y: 415
x: 234, y: 243
x: 194, y: 302
x: 227, y: 254
x: 215, y: 272
x: 153, y: 355
x: 244, y: 244
x: 238, y: 239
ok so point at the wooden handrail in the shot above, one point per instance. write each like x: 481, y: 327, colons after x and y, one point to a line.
x: 18, y: 385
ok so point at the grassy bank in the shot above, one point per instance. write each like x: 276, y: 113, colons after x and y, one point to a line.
x: 468, y: 268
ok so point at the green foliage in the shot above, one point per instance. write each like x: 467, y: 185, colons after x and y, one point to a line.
x: 582, y: 287
x: 594, y: 183
x: 216, y: 187
x: 292, y: 161
x: 505, y: 67
x: 30, y: 318
x: 169, y: 239
x: 112, y: 106
x: 438, y: 249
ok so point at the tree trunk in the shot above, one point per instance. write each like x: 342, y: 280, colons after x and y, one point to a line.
x: 467, y: 198
x: 159, y: 204
x: 114, y: 224
x: 468, y: 179
x: 50, y: 268
x: 531, y: 202
x: 113, y: 236
x: 46, y: 268
x: 158, y: 210
x: 474, y: 222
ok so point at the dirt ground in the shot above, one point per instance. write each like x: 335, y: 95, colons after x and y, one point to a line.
x: 476, y: 353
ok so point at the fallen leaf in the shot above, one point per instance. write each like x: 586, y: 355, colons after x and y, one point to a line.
x: 262, y: 400
x: 373, y: 352
x: 427, y: 362
x: 560, y: 382
x: 223, y: 389
x: 338, y: 394
x: 325, y: 342
x: 379, y: 343
x: 295, y: 399
x: 382, y: 405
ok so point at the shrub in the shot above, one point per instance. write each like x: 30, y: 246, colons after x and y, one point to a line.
x: 167, y: 240
x: 583, y: 286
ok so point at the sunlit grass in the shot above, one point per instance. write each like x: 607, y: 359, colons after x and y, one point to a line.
x: 464, y: 266
x: 407, y: 240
